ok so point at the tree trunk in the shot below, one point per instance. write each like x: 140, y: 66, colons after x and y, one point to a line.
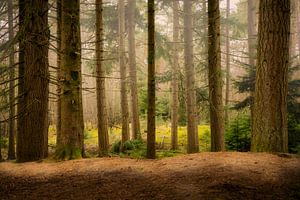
x: 58, y: 114
x: 175, y: 77
x: 269, y: 128
x: 192, y: 130
x: 100, y: 83
x: 71, y: 140
x: 11, y: 144
x: 251, y: 45
x: 227, y: 63
x: 151, y: 82
x: 33, y: 69
x: 135, y: 123
x: 215, y: 77
x: 124, y: 102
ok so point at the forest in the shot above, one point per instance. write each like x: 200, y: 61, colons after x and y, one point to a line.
x: 150, y: 99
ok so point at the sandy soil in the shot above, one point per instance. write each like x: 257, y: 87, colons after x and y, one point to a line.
x: 196, y: 176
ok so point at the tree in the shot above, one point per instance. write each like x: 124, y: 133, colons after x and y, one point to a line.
x: 151, y: 82
x: 33, y: 79
x: 11, y: 144
x: 192, y: 130
x: 71, y: 141
x: 58, y: 32
x: 215, y: 77
x: 100, y: 84
x: 124, y: 102
x: 135, y: 123
x: 227, y: 63
x: 175, y: 77
x: 269, y: 127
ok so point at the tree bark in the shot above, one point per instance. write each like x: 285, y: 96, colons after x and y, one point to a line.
x: 135, y: 123
x: 58, y: 27
x: 175, y: 77
x: 227, y: 63
x: 269, y: 128
x: 34, y: 78
x: 11, y: 144
x: 151, y: 82
x: 71, y: 140
x: 215, y: 77
x: 124, y: 102
x: 192, y: 129
x: 251, y: 45
x: 100, y: 84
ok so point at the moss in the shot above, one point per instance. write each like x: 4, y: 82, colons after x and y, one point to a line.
x: 68, y: 152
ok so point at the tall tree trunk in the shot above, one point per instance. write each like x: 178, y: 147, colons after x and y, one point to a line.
x: 58, y: 31
x: 251, y: 45
x: 124, y: 102
x: 33, y: 104
x: 175, y: 77
x: 11, y: 144
x: 151, y: 82
x: 136, y: 134
x: 71, y: 140
x: 269, y: 127
x: 100, y: 83
x: 215, y: 77
x: 227, y: 63
x: 192, y: 129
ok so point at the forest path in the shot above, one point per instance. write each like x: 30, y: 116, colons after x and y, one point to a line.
x: 196, y: 176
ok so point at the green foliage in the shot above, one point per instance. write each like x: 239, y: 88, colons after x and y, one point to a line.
x: 294, y: 134
x: 238, y: 134
x: 131, y: 149
x: 116, y: 147
x: 4, y: 142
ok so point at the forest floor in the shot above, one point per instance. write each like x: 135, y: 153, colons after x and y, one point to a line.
x: 196, y: 176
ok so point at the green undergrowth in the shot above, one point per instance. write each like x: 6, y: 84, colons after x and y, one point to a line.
x: 68, y: 152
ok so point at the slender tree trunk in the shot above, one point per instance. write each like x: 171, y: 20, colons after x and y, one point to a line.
x: 215, y: 77
x: 251, y: 45
x: 11, y: 144
x: 175, y: 77
x: 136, y: 134
x: 151, y: 82
x: 33, y: 104
x: 100, y: 83
x: 192, y: 129
x: 269, y: 127
x: 71, y: 139
x: 227, y: 63
x: 58, y: 114
x: 124, y: 102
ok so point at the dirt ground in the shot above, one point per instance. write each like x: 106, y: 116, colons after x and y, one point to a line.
x: 196, y: 176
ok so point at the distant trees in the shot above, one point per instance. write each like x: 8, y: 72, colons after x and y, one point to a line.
x: 33, y: 80
x: 215, y: 77
x: 71, y: 137
x: 151, y: 82
x: 269, y: 127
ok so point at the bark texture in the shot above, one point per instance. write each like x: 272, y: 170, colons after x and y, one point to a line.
x: 71, y: 140
x: 175, y: 78
x: 124, y: 101
x: 269, y: 128
x: 34, y: 75
x: 192, y: 129
x: 227, y: 62
x: 135, y: 122
x: 58, y: 29
x: 100, y: 84
x: 151, y: 82
x: 12, y: 129
x: 215, y: 77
